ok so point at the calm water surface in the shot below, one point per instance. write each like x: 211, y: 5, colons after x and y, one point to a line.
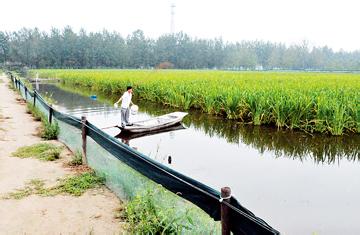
x: 299, y: 184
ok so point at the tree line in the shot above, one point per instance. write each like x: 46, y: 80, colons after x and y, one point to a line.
x: 64, y: 48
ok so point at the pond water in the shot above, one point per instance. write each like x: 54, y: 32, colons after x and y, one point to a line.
x: 298, y: 183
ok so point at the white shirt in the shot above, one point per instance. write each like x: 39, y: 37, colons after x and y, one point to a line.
x: 125, y: 100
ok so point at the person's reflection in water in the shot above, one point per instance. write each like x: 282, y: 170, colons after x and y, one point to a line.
x: 125, y: 141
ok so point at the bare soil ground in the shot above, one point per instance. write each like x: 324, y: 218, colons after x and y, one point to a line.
x: 92, y: 213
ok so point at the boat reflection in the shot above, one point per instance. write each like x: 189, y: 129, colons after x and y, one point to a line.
x: 128, y: 136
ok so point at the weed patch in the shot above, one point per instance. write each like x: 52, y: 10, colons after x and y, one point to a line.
x: 73, y: 185
x: 42, y: 151
x: 78, y: 184
x: 32, y: 187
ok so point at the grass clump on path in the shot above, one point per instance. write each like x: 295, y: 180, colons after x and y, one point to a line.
x: 73, y: 185
x: 34, y: 186
x: 78, y: 184
x: 42, y: 151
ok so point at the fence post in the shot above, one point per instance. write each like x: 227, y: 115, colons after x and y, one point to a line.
x: 225, y: 211
x: 83, y: 134
x: 34, y: 97
x: 26, y: 93
x: 51, y: 110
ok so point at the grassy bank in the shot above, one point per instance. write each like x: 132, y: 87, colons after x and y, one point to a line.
x: 313, y: 102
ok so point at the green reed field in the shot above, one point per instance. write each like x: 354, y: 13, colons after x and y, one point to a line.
x: 312, y: 102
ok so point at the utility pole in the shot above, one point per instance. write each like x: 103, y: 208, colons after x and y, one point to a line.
x: 172, y: 23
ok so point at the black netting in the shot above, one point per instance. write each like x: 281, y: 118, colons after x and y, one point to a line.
x: 242, y: 220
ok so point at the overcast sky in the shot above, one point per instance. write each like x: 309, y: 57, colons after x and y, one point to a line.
x: 335, y: 23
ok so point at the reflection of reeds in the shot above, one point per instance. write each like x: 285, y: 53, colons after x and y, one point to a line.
x: 321, y: 148
x: 312, y: 102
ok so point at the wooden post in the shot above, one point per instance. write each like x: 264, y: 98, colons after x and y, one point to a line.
x: 51, y: 110
x: 26, y: 93
x: 83, y: 134
x: 34, y: 97
x: 225, y: 211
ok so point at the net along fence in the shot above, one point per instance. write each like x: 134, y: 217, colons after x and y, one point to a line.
x: 130, y: 173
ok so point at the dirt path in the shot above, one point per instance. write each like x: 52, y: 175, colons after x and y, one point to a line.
x: 92, y: 212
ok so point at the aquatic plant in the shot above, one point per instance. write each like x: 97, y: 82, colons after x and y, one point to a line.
x: 313, y: 102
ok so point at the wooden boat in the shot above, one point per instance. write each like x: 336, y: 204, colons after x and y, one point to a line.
x: 129, y: 136
x: 155, y: 123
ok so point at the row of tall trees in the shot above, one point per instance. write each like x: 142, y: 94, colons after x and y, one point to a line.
x: 68, y: 49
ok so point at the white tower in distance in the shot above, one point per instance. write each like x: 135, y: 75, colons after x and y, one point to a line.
x: 172, y: 23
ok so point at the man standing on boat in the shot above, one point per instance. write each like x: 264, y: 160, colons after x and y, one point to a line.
x: 125, y: 106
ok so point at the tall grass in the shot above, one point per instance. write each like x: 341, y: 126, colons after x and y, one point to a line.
x: 313, y: 102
